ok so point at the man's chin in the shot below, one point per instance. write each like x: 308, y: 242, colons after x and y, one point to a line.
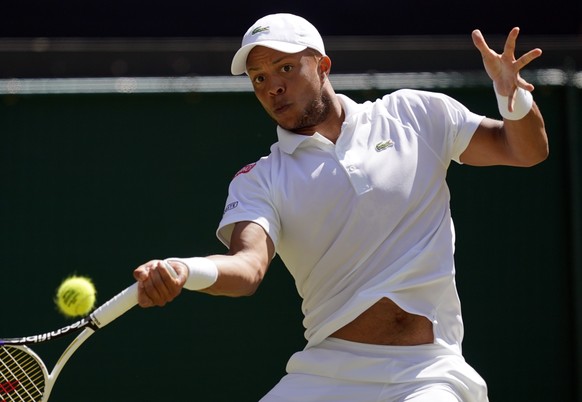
x: 285, y: 124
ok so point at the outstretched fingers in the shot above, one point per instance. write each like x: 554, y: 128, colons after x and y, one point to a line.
x: 509, y: 48
x: 509, y: 51
x: 480, y: 43
x: 528, y: 57
x: 504, y: 68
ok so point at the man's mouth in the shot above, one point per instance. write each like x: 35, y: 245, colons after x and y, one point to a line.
x: 279, y: 109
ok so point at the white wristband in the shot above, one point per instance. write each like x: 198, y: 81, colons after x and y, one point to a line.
x: 202, y: 272
x: 521, y: 106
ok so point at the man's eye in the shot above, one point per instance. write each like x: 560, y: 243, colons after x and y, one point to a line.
x: 258, y: 79
x: 287, y: 68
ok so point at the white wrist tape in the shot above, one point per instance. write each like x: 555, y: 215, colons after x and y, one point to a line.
x: 521, y: 106
x: 202, y: 272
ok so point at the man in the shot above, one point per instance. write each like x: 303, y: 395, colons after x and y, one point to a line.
x: 353, y: 199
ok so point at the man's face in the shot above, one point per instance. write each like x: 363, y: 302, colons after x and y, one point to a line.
x: 289, y: 86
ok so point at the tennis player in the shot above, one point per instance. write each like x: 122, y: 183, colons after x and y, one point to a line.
x: 353, y: 199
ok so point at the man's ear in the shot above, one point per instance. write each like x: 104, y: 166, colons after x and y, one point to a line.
x: 324, y: 66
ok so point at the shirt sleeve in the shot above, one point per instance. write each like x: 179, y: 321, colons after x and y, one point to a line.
x: 249, y: 199
x: 444, y: 123
x: 464, y: 123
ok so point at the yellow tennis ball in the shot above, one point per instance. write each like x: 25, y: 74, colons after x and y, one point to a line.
x: 76, y: 296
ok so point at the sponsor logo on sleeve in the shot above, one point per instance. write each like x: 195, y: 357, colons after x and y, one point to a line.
x: 246, y: 169
x: 231, y: 206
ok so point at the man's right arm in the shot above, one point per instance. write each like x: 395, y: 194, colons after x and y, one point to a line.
x: 241, y: 271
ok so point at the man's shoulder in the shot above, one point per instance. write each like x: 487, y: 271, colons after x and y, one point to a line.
x: 412, y: 95
x: 412, y: 101
x: 260, y: 166
x: 395, y: 99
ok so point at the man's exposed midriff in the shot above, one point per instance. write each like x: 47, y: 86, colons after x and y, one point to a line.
x: 385, y: 323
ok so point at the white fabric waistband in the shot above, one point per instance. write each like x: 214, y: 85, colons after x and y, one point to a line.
x: 351, y: 361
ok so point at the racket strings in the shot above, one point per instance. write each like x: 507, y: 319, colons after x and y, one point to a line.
x: 22, y: 377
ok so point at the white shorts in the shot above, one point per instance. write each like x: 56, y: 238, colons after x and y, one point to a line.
x: 339, y: 371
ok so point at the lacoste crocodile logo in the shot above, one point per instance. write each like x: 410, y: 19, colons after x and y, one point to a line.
x: 382, y: 145
x: 259, y: 30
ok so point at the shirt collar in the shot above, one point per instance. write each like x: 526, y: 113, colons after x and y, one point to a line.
x: 289, y: 141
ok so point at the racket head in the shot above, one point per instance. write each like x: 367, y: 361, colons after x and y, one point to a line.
x: 23, y: 375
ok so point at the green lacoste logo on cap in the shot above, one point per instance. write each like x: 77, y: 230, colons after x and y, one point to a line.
x: 382, y: 145
x: 259, y: 29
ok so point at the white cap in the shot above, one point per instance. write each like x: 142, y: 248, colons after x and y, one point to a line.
x: 286, y: 33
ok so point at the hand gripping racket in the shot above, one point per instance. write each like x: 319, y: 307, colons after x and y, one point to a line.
x: 23, y: 375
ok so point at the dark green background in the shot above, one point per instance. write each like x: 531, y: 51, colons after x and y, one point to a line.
x: 98, y: 184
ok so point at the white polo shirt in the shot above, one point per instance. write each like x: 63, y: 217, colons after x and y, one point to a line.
x: 367, y: 217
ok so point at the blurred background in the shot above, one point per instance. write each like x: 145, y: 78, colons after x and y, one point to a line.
x: 121, y: 127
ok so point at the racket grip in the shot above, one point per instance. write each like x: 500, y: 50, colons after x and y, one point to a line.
x: 117, y: 306
x: 120, y: 303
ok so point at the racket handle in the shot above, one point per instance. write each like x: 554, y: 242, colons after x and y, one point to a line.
x: 121, y: 303
x: 117, y: 306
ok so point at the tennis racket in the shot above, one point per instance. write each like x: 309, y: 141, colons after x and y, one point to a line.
x: 24, y: 376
